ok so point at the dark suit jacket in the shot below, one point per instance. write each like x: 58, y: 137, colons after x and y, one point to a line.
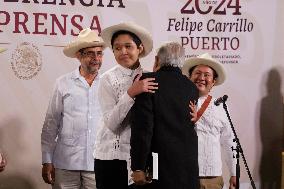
x: 161, y: 123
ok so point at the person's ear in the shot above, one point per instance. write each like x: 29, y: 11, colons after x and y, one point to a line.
x: 78, y: 55
x: 141, y: 49
x: 214, y: 82
x: 156, y: 66
x: 156, y: 60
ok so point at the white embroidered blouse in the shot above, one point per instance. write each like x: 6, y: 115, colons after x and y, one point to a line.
x: 113, y: 137
x: 214, y: 132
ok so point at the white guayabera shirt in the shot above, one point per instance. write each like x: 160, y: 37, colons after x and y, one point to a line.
x: 72, y: 118
x: 214, y: 132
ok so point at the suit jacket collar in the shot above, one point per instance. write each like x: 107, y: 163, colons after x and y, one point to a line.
x: 170, y: 68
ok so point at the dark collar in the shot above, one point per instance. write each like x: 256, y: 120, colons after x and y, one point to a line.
x: 170, y: 68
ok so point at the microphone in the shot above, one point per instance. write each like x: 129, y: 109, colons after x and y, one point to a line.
x: 220, y: 100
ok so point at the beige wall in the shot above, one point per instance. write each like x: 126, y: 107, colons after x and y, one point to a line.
x: 254, y: 84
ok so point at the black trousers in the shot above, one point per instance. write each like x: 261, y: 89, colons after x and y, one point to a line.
x: 111, y: 174
x: 153, y: 185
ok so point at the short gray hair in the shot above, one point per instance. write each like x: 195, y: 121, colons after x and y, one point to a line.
x: 171, y: 54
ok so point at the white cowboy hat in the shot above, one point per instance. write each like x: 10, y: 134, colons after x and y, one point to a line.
x: 86, y: 38
x: 139, y: 31
x: 205, y: 59
x: 2, y: 49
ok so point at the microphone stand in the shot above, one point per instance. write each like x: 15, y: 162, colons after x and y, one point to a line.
x: 239, y: 151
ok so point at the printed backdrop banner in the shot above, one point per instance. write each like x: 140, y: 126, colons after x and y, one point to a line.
x: 245, y: 36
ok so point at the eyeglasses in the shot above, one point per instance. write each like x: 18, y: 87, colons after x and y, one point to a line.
x: 93, y: 54
x: 199, y: 74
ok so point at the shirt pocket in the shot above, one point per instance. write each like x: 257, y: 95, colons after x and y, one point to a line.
x: 75, y: 118
x: 67, y: 141
x: 67, y: 117
x: 81, y: 114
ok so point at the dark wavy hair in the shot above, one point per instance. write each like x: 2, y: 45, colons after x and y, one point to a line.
x: 134, y: 37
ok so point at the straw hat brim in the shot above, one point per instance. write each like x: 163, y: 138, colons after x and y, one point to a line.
x: 191, y: 62
x: 139, y: 31
x: 71, y: 49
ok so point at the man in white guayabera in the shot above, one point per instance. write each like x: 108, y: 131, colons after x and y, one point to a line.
x: 68, y: 132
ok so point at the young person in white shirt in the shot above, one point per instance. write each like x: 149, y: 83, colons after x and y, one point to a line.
x: 118, y: 88
x: 213, y: 128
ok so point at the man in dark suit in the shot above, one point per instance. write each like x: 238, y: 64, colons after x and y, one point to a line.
x: 162, y: 123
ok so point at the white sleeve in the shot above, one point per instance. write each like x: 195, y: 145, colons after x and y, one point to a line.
x: 51, y: 125
x: 114, y: 110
